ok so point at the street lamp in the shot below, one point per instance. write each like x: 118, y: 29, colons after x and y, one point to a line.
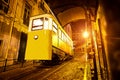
x: 86, y: 35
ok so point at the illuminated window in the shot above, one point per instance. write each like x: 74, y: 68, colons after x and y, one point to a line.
x: 37, y: 24
x: 62, y: 36
x: 4, y: 6
x: 67, y: 41
x: 46, y: 23
x: 60, y: 33
x: 55, y: 28
x: 55, y: 25
x: 50, y: 23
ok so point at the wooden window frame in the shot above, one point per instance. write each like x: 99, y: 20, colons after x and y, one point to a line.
x: 4, y: 6
x: 26, y: 15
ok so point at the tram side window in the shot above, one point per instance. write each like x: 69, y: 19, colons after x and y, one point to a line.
x: 63, y: 36
x: 46, y: 23
x: 67, y: 41
x: 37, y: 24
x: 55, y: 28
x: 60, y: 33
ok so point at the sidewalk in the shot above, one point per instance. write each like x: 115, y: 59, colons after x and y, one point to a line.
x: 15, y: 72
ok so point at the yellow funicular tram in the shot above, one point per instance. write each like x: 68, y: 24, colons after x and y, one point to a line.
x: 47, y: 40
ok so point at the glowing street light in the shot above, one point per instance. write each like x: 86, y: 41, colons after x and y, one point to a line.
x: 85, y: 34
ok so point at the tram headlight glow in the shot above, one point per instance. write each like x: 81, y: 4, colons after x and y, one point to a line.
x: 36, y: 37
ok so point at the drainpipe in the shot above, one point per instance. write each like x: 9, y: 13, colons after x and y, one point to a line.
x: 10, y: 36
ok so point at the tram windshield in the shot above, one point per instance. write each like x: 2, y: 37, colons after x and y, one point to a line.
x: 37, y: 24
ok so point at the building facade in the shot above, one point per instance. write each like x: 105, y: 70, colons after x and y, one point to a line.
x: 14, y: 21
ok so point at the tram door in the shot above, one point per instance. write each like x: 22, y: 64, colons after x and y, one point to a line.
x: 23, y: 41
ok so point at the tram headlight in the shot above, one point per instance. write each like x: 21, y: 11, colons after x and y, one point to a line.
x: 36, y: 37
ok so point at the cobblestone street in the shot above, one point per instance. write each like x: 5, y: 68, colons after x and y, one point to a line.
x: 75, y: 69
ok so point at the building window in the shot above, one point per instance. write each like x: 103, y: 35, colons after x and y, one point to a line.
x: 1, y: 41
x: 42, y: 6
x: 35, y: 1
x: 26, y: 15
x: 4, y: 6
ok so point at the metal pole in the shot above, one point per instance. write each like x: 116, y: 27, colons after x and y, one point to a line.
x: 9, y: 40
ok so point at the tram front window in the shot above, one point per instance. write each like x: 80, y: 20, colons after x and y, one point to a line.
x: 37, y: 24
